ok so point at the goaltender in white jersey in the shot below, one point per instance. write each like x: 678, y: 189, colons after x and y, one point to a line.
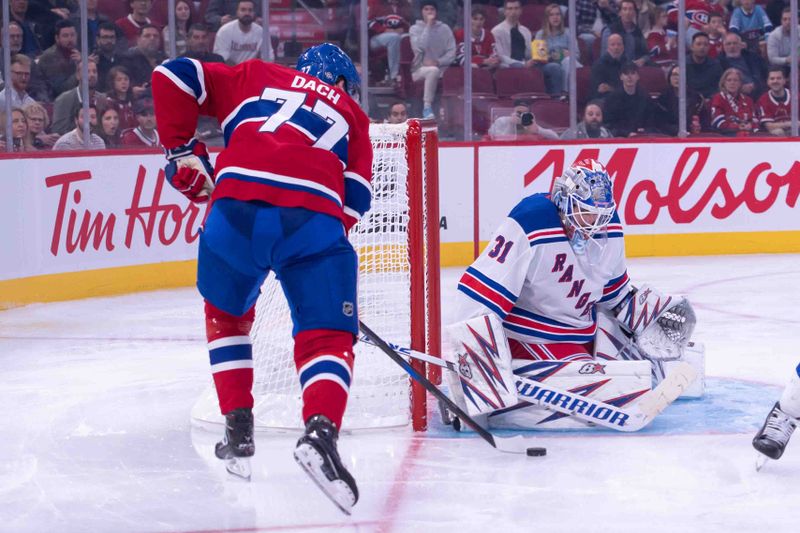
x: 552, y: 261
x: 554, y: 273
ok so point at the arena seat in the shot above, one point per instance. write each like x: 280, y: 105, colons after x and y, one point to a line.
x: 520, y: 83
x: 453, y: 82
x: 652, y: 80
x: 553, y: 114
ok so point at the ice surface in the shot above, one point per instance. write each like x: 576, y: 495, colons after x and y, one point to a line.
x: 97, y: 434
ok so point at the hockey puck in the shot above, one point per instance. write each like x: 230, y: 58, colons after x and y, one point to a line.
x: 536, y: 452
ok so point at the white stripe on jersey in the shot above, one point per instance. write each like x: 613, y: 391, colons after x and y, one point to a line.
x: 283, y: 179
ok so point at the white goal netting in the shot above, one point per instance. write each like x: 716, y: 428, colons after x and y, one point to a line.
x: 379, y: 394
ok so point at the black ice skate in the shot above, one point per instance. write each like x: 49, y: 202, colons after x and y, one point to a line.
x: 316, y: 454
x: 771, y: 440
x: 237, y: 444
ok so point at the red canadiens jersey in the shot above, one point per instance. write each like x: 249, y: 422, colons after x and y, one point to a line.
x: 384, y: 16
x: 291, y: 140
x: 732, y: 114
x: 697, y: 11
x: 483, y: 46
x: 771, y: 110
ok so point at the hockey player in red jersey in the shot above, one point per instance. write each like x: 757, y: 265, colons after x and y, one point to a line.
x: 293, y: 178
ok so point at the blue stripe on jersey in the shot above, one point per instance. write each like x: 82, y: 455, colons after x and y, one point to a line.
x: 185, y: 70
x: 326, y: 367
x: 491, y: 283
x: 276, y: 183
x: 340, y: 149
x: 257, y: 108
x: 533, y: 316
x: 356, y: 196
x: 482, y: 300
x: 559, y: 337
x: 614, y: 234
x: 236, y: 352
x: 314, y: 124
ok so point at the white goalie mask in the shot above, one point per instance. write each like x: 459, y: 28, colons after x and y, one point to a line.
x: 585, y: 201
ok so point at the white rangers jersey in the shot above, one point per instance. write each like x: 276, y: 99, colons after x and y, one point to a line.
x: 530, y: 276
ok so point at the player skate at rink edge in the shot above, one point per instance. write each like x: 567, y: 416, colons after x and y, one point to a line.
x: 557, y: 262
x: 293, y: 178
x: 781, y: 421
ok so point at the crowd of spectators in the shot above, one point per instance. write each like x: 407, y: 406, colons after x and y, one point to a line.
x: 737, y: 63
x: 46, y: 66
x: 619, y: 40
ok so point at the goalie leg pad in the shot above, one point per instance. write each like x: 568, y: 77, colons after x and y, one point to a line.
x: 231, y: 355
x: 324, y: 361
x: 481, y: 354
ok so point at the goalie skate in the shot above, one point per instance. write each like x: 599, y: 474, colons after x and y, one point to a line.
x: 773, y: 436
x: 237, y: 444
x: 316, y: 453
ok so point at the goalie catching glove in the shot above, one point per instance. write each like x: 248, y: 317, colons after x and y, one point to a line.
x: 190, y: 172
x: 661, y: 326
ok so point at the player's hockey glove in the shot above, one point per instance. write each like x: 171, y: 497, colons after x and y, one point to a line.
x: 190, y: 172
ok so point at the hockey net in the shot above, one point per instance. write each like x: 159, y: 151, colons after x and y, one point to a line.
x: 398, y: 246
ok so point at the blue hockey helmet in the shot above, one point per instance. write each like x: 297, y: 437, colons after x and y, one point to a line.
x: 329, y: 63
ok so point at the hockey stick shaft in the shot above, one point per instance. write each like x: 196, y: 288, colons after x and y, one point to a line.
x: 511, y: 445
x: 586, y: 409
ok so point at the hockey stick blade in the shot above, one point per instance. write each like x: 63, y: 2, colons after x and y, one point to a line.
x: 516, y: 444
x: 593, y: 411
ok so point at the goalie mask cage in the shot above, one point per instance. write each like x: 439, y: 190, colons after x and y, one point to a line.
x: 397, y: 242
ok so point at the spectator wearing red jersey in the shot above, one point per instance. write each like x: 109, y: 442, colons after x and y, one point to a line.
x: 483, y: 49
x: 698, y: 13
x: 716, y: 34
x: 662, y: 47
x: 138, y: 17
x: 732, y: 112
x: 774, y: 106
x: 389, y: 21
x: 144, y: 135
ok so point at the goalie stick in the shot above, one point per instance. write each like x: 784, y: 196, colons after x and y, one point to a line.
x: 516, y: 444
x: 630, y: 419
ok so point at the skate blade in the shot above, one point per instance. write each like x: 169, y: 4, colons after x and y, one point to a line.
x: 761, y: 461
x: 337, y: 490
x: 238, y: 467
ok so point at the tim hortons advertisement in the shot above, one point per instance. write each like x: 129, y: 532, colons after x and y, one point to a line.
x: 77, y: 213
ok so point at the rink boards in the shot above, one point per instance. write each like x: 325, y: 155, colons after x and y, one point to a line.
x: 89, y: 225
